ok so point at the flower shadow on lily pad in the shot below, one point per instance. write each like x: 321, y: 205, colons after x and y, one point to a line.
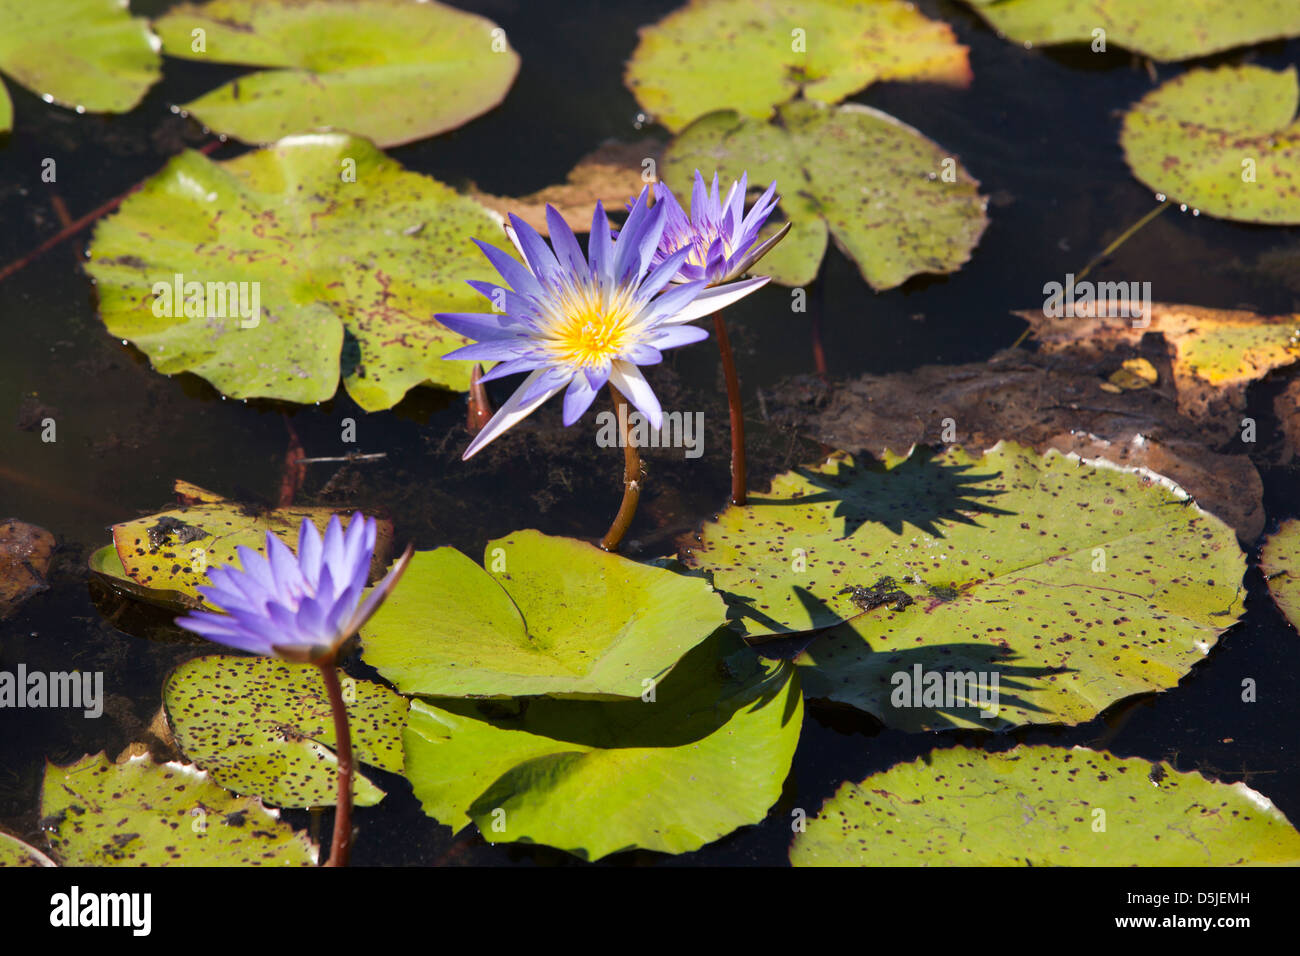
x: 919, y: 492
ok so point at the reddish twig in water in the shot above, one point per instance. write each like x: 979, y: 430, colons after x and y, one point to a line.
x: 74, y: 227
x: 737, y: 413
x: 819, y: 354
x: 480, y: 406
x: 342, y: 845
x: 44, y: 487
x: 61, y: 209
x: 632, y: 475
x: 294, y: 470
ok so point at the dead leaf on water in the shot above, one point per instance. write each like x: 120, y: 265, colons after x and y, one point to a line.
x: 25, y: 553
x: 1215, y: 353
x: 612, y: 175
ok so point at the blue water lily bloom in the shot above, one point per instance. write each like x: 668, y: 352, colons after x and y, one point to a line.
x: 576, y: 323
x: 300, y: 608
x: 720, y: 239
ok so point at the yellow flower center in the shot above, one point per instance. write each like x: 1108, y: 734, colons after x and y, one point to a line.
x: 591, y: 329
x: 700, y: 244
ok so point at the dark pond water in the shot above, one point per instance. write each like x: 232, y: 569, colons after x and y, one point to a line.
x: 1039, y: 129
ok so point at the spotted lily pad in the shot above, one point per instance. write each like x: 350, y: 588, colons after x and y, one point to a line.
x: 1061, y: 585
x: 1044, y: 806
x: 263, y: 727
x: 703, y: 754
x: 896, y: 203
x: 1280, y: 562
x: 1225, y: 141
x: 138, y: 813
x: 1161, y: 29
x: 107, y: 567
x: 750, y: 55
x: 14, y: 852
x: 1047, y: 400
x: 390, y: 70
x: 317, y: 296
x: 549, y: 615
x: 91, y: 55
x: 1215, y: 353
x: 170, y: 552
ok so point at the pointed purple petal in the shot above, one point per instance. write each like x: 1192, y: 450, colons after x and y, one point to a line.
x: 519, y: 278
x: 508, y: 415
x: 627, y: 378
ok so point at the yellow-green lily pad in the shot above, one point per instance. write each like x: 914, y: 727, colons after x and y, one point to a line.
x: 263, y: 727
x: 896, y: 204
x: 275, y: 231
x: 750, y: 55
x: 1224, y: 141
x: 1044, y: 806
x: 106, y: 565
x: 139, y: 813
x: 1280, y: 562
x: 390, y: 70
x: 90, y: 55
x: 703, y: 754
x: 543, y: 615
x: 1063, y: 585
x: 14, y: 852
x: 169, y: 553
x: 1161, y: 29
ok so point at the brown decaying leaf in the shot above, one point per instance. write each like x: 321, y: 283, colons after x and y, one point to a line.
x: 1215, y: 353
x: 1286, y: 406
x: 25, y: 554
x: 1047, y: 401
x: 611, y: 175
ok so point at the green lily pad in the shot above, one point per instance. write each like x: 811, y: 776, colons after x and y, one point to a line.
x: 750, y: 55
x: 1280, y: 562
x: 169, y: 553
x: 881, y: 188
x: 549, y: 615
x: 107, y: 566
x: 91, y: 55
x: 6, y: 110
x: 1161, y: 29
x: 1074, y: 584
x: 264, y: 727
x: 332, y: 299
x: 390, y: 70
x: 139, y: 813
x: 1044, y: 806
x: 707, y: 755
x: 14, y: 852
x: 1225, y: 141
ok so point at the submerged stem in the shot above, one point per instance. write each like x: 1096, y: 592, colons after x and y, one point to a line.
x: 342, y: 844
x: 631, y: 477
x: 737, y: 413
x: 1096, y: 260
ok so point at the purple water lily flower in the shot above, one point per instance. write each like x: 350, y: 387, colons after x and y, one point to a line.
x: 300, y: 608
x: 579, y: 322
x: 720, y: 239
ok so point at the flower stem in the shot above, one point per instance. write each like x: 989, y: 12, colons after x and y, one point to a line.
x: 480, y: 406
x: 632, y: 475
x: 737, y: 413
x: 343, y: 744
